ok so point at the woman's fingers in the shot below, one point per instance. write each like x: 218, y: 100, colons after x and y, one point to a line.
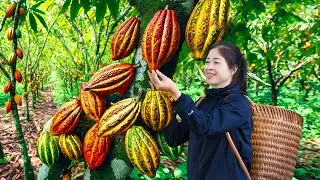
x: 151, y: 85
x: 163, y: 77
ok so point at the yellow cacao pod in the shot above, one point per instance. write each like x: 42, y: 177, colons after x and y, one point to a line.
x: 10, y: 33
x: 70, y: 146
x: 156, y: 109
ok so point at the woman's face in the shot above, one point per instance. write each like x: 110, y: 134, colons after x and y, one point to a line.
x: 216, y: 70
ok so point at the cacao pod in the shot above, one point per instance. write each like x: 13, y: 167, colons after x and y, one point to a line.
x: 12, y: 58
x: 70, y: 146
x: 142, y: 150
x: 47, y: 149
x: 119, y: 117
x: 125, y: 38
x: 95, y: 149
x: 10, y: 10
x: 112, y: 78
x: 66, y: 118
x: 8, y: 106
x: 156, y: 109
x: 7, y: 87
x: 18, y: 33
x: 18, y: 76
x: 92, y: 104
x: 10, y: 33
x: 19, y: 53
x: 206, y: 25
x: 161, y: 38
x: 21, y: 12
x: 171, y: 152
x: 17, y: 99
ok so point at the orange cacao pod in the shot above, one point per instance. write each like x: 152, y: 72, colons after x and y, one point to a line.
x: 10, y: 33
x: 125, y: 38
x: 21, y: 12
x: 92, y: 104
x: 7, y: 87
x: 112, y: 78
x: 8, y: 106
x: 18, y: 76
x: 161, y: 38
x: 18, y: 99
x: 19, y: 53
x: 10, y: 10
x: 12, y: 58
x: 95, y: 149
x: 66, y: 118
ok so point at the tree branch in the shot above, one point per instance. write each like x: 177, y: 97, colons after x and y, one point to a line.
x: 5, y: 72
x: 256, y: 78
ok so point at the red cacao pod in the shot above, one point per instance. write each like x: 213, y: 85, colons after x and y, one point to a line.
x: 125, y: 38
x: 66, y: 118
x: 21, y: 12
x: 10, y: 10
x: 19, y: 53
x: 112, y: 78
x: 18, y: 76
x: 7, y: 87
x: 8, y: 106
x: 161, y: 38
x: 18, y: 99
x: 95, y: 149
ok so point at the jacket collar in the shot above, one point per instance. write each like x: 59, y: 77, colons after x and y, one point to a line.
x: 222, y: 92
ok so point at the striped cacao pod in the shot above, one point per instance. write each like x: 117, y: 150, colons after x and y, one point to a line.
x: 17, y: 99
x: 7, y: 88
x: 18, y: 76
x: 92, y: 104
x: 161, y: 38
x: 8, y: 106
x: 12, y: 58
x: 112, y: 78
x: 156, y: 109
x: 171, y: 152
x: 119, y: 117
x: 19, y: 53
x: 142, y: 150
x: 95, y: 149
x: 70, y: 146
x: 10, y: 33
x: 125, y: 38
x: 66, y: 118
x: 47, y: 149
x: 10, y: 10
x: 207, y: 24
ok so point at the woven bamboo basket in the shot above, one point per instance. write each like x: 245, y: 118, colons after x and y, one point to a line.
x: 275, y: 142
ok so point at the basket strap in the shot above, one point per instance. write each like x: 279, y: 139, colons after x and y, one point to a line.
x: 230, y: 141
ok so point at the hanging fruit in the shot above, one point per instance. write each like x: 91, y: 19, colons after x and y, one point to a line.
x: 10, y: 10
x: 70, y: 146
x: 12, y: 58
x: 10, y: 33
x: 125, y: 38
x: 19, y: 53
x: 21, y: 12
x: 18, y: 33
x: 207, y: 24
x: 8, y: 106
x: 47, y: 149
x: 161, y: 38
x: 18, y: 76
x: 17, y: 99
x: 7, y: 88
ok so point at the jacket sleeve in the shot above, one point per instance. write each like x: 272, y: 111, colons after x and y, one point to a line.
x: 232, y: 113
x: 176, y: 133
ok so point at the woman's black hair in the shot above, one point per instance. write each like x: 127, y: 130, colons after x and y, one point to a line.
x: 234, y: 57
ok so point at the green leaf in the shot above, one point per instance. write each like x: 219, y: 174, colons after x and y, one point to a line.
x: 101, y: 9
x: 39, y: 11
x: 35, y: 6
x: 74, y: 9
x: 86, y: 5
x: 42, y: 21
x: 65, y: 5
x: 33, y: 22
x: 266, y: 32
x: 113, y: 6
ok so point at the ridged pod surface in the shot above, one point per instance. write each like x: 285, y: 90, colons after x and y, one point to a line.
x: 17, y: 99
x: 161, y: 38
x: 10, y: 33
x: 142, y: 150
x: 171, y: 152
x: 207, y: 24
x: 47, y: 149
x: 66, y: 118
x: 70, y: 146
x: 95, y: 149
x: 156, y: 109
x: 7, y: 88
x: 8, y: 106
x: 92, y: 104
x: 112, y: 78
x: 18, y: 76
x: 119, y: 117
x: 10, y: 10
x: 125, y: 38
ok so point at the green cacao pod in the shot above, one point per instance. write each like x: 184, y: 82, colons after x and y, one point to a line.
x: 171, y: 152
x: 95, y: 149
x: 18, y: 33
x: 142, y: 150
x: 156, y: 109
x: 47, y: 149
x: 70, y: 146
x: 119, y: 117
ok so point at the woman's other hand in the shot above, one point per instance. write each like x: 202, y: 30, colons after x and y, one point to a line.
x: 164, y: 84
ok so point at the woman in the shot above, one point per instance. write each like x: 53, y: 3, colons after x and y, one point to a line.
x: 225, y: 109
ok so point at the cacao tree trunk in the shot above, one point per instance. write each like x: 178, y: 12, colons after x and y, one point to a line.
x: 1, y: 152
x: 25, y: 88
x: 34, y: 99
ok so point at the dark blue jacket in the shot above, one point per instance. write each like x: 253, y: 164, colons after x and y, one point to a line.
x: 209, y: 154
